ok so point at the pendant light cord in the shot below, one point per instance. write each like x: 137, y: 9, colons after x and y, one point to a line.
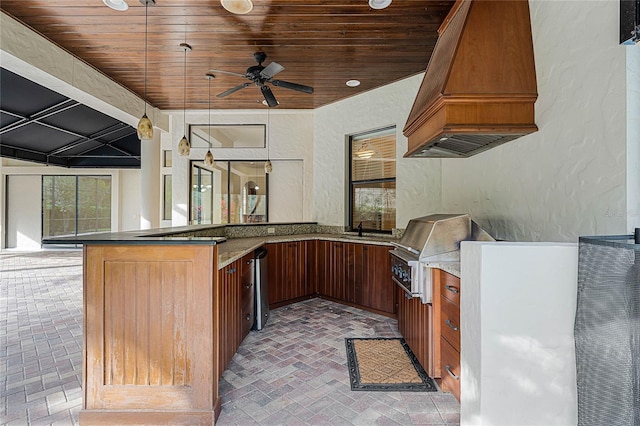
x: 146, y: 20
x: 209, y: 128
x: 184, y: 105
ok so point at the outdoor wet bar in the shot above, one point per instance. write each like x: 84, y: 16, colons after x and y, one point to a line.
x: 151, y: 328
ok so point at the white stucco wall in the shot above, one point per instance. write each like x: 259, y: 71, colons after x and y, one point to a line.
x: 517, y: 352
x: 417, y: 180
x: 290, y: 138
x: 569, y: 178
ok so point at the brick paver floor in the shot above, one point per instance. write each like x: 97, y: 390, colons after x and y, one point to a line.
x: 292, y: 372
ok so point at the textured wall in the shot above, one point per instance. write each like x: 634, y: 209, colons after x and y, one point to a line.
x: 417, y: 180
x: 290, y: 137
x: 569, y: 178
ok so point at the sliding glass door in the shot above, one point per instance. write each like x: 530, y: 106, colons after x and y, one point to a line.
x: 73, y: 205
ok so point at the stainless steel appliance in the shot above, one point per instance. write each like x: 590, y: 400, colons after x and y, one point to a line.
x: 426, y: 240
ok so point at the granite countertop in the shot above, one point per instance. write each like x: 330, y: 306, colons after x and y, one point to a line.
x: 144, y: 236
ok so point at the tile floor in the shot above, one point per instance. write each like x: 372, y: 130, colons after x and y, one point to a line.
x: 291, y: 373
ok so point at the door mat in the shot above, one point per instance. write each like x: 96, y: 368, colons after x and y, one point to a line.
x: 385, y: 364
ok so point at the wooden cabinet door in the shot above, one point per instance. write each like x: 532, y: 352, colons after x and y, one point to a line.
x: 322, y: 267
x: 230, y: 312
x: 378, y: 289
x: 354, y: 276
x: 415, y: 321
x: 275, y: 272
x: 247, y: 290
x: 295, y: 270
x: 336, y: 280
x: 287, y: 270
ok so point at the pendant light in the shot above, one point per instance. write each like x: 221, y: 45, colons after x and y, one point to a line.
x: 145, y: 128
x: 208, y: 158
x: 184, y: 147
x: 268, y: 167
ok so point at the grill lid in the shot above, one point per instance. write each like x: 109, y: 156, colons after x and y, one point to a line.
x: 439, y: 234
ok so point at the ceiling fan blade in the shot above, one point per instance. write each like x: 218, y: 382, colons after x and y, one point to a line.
x: 268, y: 96
x: 232, y: 90
x: 292, y: 86
x: 272, y: 69
x: 228, y: 72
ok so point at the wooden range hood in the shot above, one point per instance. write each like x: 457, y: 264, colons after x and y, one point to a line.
x: 480, y: 86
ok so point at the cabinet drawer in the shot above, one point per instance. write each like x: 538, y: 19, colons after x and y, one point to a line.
x: 247, y: 264
x: 248, y: 318
x: 450, y: 287
x: 450, y: 361
x: 450, y: 323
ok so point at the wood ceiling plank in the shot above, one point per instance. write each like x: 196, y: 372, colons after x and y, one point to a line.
x: 321, y: 43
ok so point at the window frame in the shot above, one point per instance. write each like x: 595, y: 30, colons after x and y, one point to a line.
x: 350, y: 189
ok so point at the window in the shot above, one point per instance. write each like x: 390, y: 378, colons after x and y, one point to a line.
x: 167, y: 160
x: 73, y: 205
x: 228, y: 192
x: 166, y: 198
x: 372, y: 180
x: 228, y: 135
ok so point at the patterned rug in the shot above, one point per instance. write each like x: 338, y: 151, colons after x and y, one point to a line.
x: 385, y: 364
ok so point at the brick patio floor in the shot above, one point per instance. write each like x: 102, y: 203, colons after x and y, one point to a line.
x: 292, y: 372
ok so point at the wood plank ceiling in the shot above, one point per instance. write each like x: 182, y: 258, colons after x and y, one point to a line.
x: 321, y: 43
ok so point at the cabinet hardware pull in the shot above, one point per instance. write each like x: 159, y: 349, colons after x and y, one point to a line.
x: 248, y: 317
x: 448, y: 368
x: 451, y: 326
x: 248, y: 286
x: 452, y: 289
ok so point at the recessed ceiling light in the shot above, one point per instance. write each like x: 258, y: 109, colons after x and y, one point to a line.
x: 379, y: 4
x: 353, y: 83
x: 120, y: 5
x: 238, y: 7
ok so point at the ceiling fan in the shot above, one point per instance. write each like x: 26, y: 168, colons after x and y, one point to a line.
x: 259, y: 75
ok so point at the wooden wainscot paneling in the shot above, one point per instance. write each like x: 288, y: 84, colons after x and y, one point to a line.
x: 151, y: 334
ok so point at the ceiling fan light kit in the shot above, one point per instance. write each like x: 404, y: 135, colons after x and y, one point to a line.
x: 237, y: 7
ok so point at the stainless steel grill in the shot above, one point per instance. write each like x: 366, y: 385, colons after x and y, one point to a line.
x: 427, y: 239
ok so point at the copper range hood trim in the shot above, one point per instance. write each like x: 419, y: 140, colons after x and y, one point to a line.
x: 474, y: 95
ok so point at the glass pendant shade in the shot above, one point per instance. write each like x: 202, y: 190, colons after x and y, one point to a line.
x: 268, y: 167
x: 208, y: 158
x: 145, y: 128
x: 184, y: 147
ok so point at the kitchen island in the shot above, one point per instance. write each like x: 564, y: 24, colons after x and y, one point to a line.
x: 160, y: 310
